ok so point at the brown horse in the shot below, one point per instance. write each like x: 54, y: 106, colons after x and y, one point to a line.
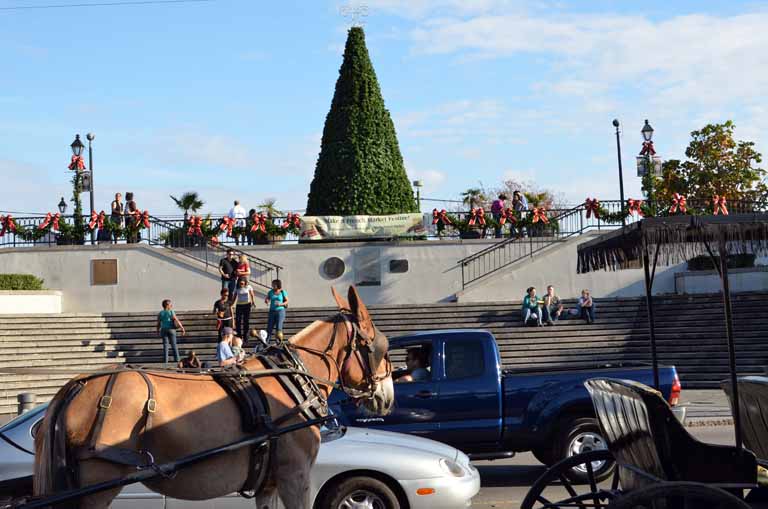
x: 192, y: 413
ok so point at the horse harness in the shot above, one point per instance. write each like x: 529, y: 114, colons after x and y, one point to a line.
x: 240, y: 384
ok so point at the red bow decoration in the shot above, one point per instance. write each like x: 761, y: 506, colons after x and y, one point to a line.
x: 8, y: 224
x: 507, y: 214
x: 678, y: 203
x: 195, y: 223
x: 77, y: 163
x: 141, y: 219
x: 635, y: 207
x: 292, y: 220
x: 214, y: 241
x: 648, y: 149
x: 719, y: 203
x: 476, y: 216
x: 259, y: 223
x: 593, y: 207
x: 227, y: 223
x: 539, y: 215
x: 47, y: 221
x: 97, y: 219
x: 440, y: 216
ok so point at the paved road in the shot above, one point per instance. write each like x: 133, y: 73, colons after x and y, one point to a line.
x: 506, y: 482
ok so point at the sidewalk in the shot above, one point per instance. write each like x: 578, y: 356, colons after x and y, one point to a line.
x: 706, y: 407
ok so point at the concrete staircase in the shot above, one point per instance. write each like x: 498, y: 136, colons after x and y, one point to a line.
x: 690, y: 334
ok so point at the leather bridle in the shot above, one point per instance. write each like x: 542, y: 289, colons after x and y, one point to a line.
x: 360, y: 348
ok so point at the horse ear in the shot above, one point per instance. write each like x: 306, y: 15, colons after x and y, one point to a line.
x: 340, y: 301
x: 361, y: 312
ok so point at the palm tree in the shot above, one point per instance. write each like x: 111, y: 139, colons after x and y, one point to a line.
x: 269, y: 208
x: 473, y: 197
x: 188, y: 201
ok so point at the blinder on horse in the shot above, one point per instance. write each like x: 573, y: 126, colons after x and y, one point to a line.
x: 369, y: 352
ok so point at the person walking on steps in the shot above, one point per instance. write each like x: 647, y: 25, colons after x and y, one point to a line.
x: 244, y: 300
x: 278, y: 301
x: 167, y: 322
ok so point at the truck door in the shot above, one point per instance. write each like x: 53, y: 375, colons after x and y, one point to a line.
x: 416, y: 402
x: 470, y: 392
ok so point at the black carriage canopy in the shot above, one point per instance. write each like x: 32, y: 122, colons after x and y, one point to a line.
x: 675, y: 239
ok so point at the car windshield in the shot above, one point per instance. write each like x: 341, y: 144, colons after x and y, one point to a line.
x: 23, y: 418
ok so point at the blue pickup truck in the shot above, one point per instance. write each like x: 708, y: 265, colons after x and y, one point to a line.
x: 468, y: 401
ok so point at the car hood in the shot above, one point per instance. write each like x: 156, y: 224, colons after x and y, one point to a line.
x: 373, y: 437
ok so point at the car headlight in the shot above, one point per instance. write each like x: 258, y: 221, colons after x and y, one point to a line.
x: 451, y: 467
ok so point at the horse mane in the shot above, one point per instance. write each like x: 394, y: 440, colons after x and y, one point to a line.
x: 310, y: 329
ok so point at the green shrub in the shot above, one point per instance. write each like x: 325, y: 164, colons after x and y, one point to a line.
x: 20, y: 282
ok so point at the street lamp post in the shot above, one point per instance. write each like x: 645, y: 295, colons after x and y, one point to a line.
x: 621, y: 173
x: 62, y: 206
x: 90, y: 137
x: 418, y: 184
x: 648, y: 163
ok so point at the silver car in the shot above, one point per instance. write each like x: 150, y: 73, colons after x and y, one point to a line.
x: 356, y: 468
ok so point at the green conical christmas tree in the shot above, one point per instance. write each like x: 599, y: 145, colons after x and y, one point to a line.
x: 360, y: 169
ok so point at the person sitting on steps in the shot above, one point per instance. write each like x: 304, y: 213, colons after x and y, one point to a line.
x: 586, y: 307
x: 531, y: 307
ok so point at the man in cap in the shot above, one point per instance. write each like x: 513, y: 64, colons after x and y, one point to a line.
x: 224, y: 351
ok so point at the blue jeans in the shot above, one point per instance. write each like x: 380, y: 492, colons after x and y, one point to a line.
x: 588, y: 314
x: 276, y: 318
x: 529, y: 313
x: 550, y: 315
x: 169, y: 335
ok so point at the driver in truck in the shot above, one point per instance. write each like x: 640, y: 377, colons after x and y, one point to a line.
x: 416, y: 362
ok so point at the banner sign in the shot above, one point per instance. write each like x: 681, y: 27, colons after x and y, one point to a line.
x: 361, y: 227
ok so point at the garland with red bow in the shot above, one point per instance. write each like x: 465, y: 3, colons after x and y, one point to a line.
x: 97, y: 220
x: 259, y: 223
x: 292, y: 223
x: 593, y: 207
x: 8, y: 224
x: 76, y: 163
x: 679, y: 203
x: 140, y: 219
x: 50, y: 219
x: 476, y: 216
x: 227, y: 224
x: 195, y: 226
x: 635, y: 207
x: 539, y: 214
x: 508, y: 214
x: 719, y: 204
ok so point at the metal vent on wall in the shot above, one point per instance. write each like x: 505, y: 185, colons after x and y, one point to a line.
x: 398, y: 266
x: 333, y: 267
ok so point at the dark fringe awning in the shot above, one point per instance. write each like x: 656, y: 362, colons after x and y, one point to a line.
x: 677, y: 238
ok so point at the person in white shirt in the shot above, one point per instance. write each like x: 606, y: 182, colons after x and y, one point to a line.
x: 238, y: 214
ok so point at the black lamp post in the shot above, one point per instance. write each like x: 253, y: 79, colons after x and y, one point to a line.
x: 621, y: 173
x: 418, y: 184
x: 62, y: 206
x: 77, y: 146
x: 647, y: 161
x: 90, y: 137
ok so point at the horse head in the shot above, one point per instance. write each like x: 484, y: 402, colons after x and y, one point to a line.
x: 366, y: 371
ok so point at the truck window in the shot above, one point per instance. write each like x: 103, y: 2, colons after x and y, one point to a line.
x: 464, y: 359
x: 411, y: 363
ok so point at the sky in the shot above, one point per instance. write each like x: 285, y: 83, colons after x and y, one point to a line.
x: 228, y: 97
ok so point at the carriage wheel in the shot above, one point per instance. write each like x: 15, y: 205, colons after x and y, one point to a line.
x: 678, y: 495
x: 554, y: 490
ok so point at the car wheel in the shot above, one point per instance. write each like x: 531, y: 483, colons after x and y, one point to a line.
x: 360, y: 493
x: 579, y: 436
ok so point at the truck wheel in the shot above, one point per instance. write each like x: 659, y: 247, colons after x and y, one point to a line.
x: 360, y: 492
x: 578, y: 436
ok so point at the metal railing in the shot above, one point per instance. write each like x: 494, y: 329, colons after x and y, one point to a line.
x: 575, y: 221
x: 262, y: 271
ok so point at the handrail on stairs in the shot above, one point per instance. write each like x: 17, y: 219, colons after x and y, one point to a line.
x: 497, y: 256
x: 263, y: 267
